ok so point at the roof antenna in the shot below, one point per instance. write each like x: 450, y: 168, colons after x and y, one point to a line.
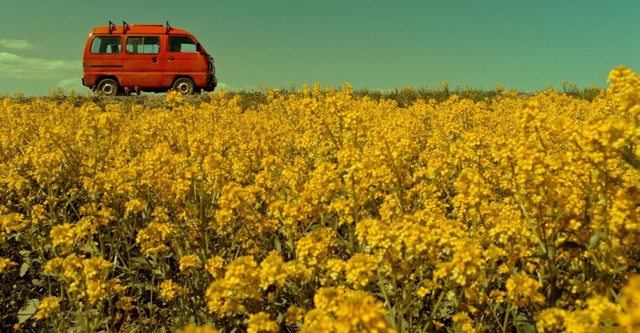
x: 168, y: 27
x: 125, y: 27
x: 111, y: 26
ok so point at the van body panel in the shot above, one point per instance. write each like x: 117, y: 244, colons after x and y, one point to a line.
x: 142, y: 67
x: 180, y: 61
x: 142, y: 71
x: 146, y: 58
x: 102, y: 58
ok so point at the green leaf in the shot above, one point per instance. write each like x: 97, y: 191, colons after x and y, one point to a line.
x: 23, y: 269
x: 139, y: 260
x: 28, y: 310
x: 525, y: 323
x: 277, y: 244
x: 593, y: 241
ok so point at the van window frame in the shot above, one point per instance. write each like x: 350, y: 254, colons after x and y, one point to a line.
x: 126, y: 44
x: 172, y: 43
x: 107, y: 46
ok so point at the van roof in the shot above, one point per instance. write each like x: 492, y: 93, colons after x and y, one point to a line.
x: 138, y: 29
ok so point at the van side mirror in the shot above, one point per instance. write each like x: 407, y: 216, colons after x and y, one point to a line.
x: 199, y: 48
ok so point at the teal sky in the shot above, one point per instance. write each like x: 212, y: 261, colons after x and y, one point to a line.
x: 524, y: 45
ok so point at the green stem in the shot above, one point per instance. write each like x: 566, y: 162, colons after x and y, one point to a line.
x: 433, y: 312
x: 506, y: 318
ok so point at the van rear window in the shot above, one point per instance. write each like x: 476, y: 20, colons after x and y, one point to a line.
x: 106, y: 44
x: 143, y: 45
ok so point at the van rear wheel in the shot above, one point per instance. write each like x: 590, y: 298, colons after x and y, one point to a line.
x: 184, y: 85
x: 108, y: 87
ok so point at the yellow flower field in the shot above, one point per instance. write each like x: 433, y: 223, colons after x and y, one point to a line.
x: 323, y: 211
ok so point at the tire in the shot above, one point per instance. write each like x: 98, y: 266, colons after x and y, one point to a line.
x: 184, y: 85
x: 108, y: 87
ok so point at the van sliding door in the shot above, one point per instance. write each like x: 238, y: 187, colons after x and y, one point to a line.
x: 142, y: 66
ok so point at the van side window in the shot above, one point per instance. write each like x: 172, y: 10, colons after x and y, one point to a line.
x: 143, y: 45
x: 106, y: 44
x: 182, y: 44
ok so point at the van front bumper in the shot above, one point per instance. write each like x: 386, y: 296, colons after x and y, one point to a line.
x: 212, y: 82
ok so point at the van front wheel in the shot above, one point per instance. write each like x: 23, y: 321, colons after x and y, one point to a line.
x: 108, y: 87
x: 184, y: 85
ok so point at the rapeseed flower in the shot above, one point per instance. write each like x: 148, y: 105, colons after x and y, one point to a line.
x: 192, y: 328
x: 169, y: 290
x: 293, y: 315
x: 524, y: 290
x: 241, y: 282
x: 630, y: 302
x: 313, y: 248
x: 6, y: 263
x: 261, y: 322
x: 189, y: 262
x: 47, y: 306
x: 360, y: 270
x: 326, y: 210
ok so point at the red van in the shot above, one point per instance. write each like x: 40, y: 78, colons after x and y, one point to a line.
x: 141, y: 57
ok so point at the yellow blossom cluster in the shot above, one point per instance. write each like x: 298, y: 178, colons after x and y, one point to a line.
x: 47, y: 306
x: 191, y: 328
x: 343, y: 310
x: 87, y: 278
x: 5, y: 264
x: 523, y: 290
x: 170, y: 290
x: 323, y: 210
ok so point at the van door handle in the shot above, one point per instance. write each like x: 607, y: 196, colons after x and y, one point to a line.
x: 154, y: 59
x: 172, y: 58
